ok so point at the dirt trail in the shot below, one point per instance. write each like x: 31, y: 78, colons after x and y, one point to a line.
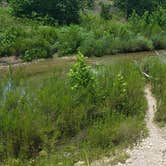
x: 152, y: 150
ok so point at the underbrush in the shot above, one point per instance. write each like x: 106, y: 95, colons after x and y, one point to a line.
x: 63, y: 120
x: 25, y: 38
x: 139, y: 33
x: 94, y: 36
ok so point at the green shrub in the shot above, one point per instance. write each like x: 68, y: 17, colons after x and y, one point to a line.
x: 37, y: 39
x: 128, y: 6
x: 80, y: 75
x: 64, y: 11
x: 7, y: 41
x: 159, y: 16
x: 91, y: 46
x: 140, y: 33
x: 48, y: 33
x: 105, y: 11
x: 140, y: 43
x: 34, y: 54
x: 148, y: 23
x: 87, y: 45
x: 120, y: 92
x: 159, y: 40
x: 69, y: 39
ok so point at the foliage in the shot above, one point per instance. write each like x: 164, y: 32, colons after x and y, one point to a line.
x: 26, y: 40
x: 8, y: 38
x: 30, y: 40
x: 34, y: 54
x: 69, y: 39
x: 105, y: 11
x: 141, y: 6
x: 80, y: 74
x: 120, y: 85
x: 37, y: 117
x: 65, y: 11
x: 156, y: 68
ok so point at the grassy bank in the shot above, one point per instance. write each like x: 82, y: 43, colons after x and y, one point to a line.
x: 156, y: 68
x: 33, y: 39
x: 45, y: 121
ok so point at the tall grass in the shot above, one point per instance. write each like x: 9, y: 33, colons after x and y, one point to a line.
x: 52, y: 123
x: 156, y: 68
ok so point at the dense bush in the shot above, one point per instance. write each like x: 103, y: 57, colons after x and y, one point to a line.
x: 65, y: 11
x: 23, y: 43
x: 141, y: 6
x: 80, y: 75
x: 141, y: 33
x: 150, y: 22
x: 159, y: 40
x: 69, y: 39
x: 7, y: 40
x: 105, y: 11
x: 30, y: 40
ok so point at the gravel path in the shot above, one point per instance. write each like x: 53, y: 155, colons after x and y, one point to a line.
x: 152, y: 150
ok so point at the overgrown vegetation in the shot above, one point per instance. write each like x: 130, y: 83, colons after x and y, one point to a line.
x: 156, y: 68
x: 64, y: 11
x: 128, y: 6
x: 41, y: 34
x: 38, y: 124
x: 83, y: 112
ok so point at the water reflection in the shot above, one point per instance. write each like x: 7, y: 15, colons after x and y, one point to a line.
x: 10, y: 87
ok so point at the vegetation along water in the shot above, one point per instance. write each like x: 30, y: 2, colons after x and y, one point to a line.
x: 85, y: 99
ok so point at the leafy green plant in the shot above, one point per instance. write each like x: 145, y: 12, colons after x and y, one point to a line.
x: 120, y: 87
x: 35, y: 53
x: 69, y: 39
x: 21, y: 35
x: 105, y: 11
x: 7, y: 41
x: 139, y: 6
x: 63, y: 11
x: 80, y: 75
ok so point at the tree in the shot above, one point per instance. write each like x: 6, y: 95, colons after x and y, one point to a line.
x: 139, y: 6
x: 65, y: 11
x: 105, y: 11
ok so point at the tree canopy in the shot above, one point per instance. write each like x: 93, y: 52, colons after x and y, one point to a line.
x: 139, y: 6
x: 64, y: 11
